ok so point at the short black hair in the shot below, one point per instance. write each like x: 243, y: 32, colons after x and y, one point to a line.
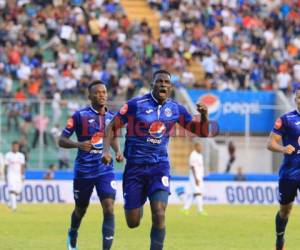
x: 162, y: 71
x: 14, y: 142
x: 94, y: 83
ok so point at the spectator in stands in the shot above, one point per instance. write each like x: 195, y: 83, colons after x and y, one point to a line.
x: 231, y: 153
x: 240, y: 176
x: 24, y: 148
x: 62, y: 153
x: 26, y: 115
x: 13, y: 114
x: 40, y: 124
x: 50, y: 174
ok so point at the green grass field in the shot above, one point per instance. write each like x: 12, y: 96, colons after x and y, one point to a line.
x: 225, y: 228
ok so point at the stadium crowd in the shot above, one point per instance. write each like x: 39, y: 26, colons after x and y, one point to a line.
x: 59, y: 46
x: 240, y: 44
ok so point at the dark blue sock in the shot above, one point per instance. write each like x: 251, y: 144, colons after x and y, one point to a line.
x: 108, y: 231
x: 280, y: 230
x: 75, y: 222
x: 157, y: 238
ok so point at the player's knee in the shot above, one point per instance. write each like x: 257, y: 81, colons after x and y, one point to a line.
x: 80, y: 211
x: 133, y: 223
x: 285, y: 211
x: 108, y: 209
x: 158, y: 217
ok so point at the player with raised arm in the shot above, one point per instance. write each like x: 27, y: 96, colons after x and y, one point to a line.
x: 287, y: 130
x: 14, y: 166
x: 150, y: 120
x: 89, y: 171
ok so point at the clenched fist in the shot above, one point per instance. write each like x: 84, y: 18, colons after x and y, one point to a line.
x: 202, y: 109
x: 289, y: 149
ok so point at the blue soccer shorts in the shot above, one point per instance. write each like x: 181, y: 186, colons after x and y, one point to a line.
x: 142, y: 181
x: 288, y: 191
x: 83, y: 188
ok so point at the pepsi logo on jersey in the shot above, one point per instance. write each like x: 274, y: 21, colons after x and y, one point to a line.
x: 97, y: 140
x: 157, y: 129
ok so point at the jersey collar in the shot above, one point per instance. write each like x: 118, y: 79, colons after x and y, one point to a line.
x: 95, y: 111
x: 155, y: 100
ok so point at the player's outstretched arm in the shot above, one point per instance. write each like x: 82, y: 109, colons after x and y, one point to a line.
x: 275, y: 146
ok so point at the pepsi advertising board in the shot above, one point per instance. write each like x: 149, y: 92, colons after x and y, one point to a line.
x: 229, y: 109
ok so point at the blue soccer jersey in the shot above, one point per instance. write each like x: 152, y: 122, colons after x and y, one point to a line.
x: 288, y: 127
x: 148, y: 128
x: 88, y: 124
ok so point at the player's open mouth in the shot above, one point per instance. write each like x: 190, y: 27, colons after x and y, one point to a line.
x: 163, y: 91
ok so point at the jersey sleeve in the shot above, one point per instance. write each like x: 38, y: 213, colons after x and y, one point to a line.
x: 127, y: 110
x: 184, y: 115
x: 279, y: 126
x: 71, y: 125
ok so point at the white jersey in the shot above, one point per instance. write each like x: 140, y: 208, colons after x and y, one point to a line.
x: 14, y: 162
x: 196, y: 161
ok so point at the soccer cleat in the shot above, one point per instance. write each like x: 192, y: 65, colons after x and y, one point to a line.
x: 72, y: 240
x: 280, y: 248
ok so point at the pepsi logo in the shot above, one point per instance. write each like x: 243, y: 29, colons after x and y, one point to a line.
x: 211, y: 101
x: 157, y: 129
x: 97, y: 140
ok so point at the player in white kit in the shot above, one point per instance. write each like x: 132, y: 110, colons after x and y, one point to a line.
x: 195, y: 179
x: 14, y: 170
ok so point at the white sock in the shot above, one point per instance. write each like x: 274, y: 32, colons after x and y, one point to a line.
x: 13, y: 201
x: 188, y: 201
x: 199, y: 202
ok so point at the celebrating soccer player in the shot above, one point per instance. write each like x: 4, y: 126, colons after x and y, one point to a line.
x: 150, y: 120
x: 287, y: 130
x: 89, y: 126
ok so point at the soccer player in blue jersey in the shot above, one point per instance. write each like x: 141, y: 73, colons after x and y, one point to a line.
x: 89, y: 171
x: 287, y: 130
x: 150, y: 120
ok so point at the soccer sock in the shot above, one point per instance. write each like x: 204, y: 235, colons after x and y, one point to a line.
x: 199, y: 202
x: 108, y: 230
x: 75, y: 222
x: 188, y: 202
x: 280, y: 229
x: 13, y: 201
x: 157, y: 238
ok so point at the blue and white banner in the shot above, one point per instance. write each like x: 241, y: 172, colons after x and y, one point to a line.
x: 229, y: 109
x: 230, y: 192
